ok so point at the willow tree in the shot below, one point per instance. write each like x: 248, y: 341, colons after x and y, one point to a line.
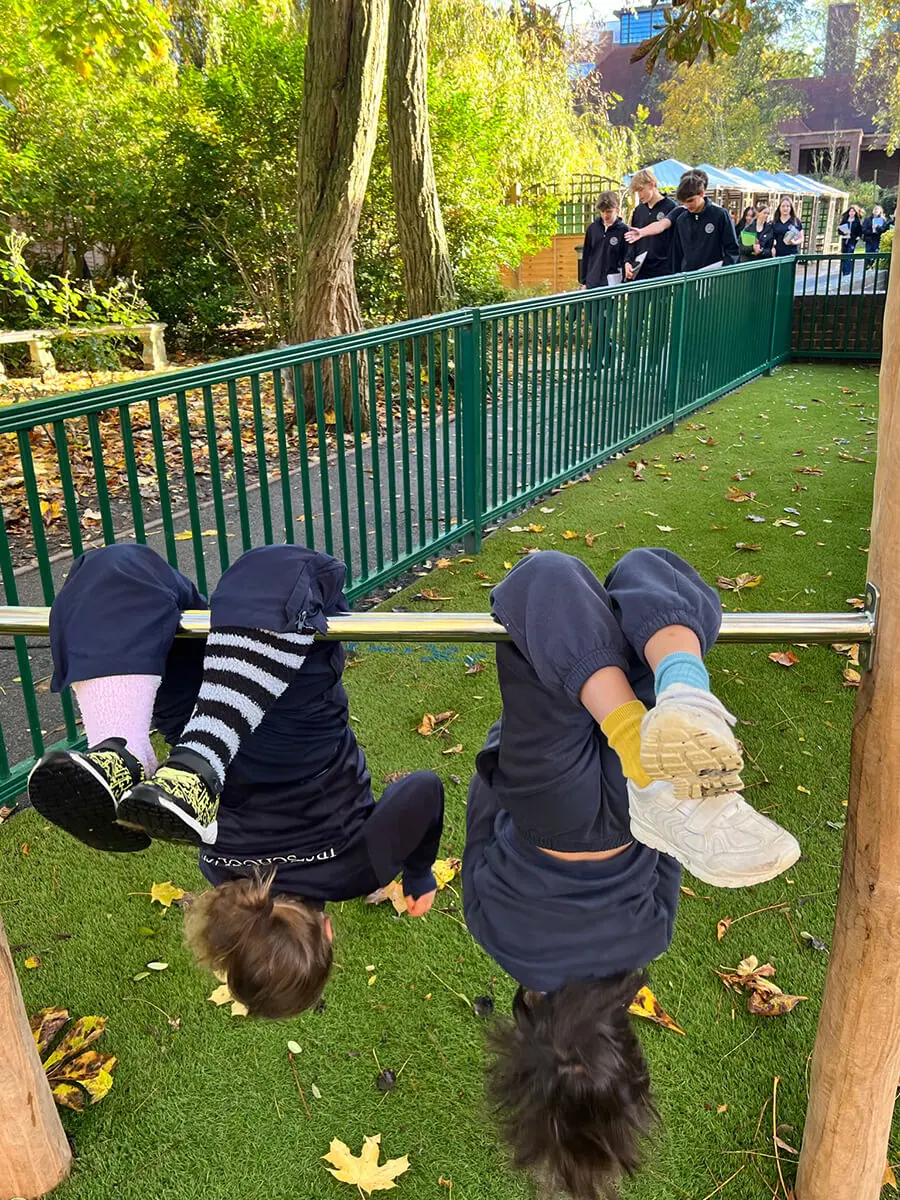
x: 343, y: 79
x: 427, y: 271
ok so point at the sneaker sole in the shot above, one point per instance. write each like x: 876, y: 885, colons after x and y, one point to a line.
x: 676, y: 750
x: 649, y: 837
x: 163, y: 820
x: 54, y: 784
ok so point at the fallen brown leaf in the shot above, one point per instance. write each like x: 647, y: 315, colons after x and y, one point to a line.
x: 784, y: 658
x: 738, y: 495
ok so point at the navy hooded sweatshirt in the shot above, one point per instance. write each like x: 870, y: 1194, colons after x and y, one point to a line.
x: 703, y: 238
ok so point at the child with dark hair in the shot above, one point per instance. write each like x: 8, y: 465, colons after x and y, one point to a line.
x: 265, y: 774
x: 611, y: 763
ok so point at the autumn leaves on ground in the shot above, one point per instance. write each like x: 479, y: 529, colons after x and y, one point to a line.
x: 768, y: 492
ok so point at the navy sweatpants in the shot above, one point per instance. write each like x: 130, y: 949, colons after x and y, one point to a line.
x: 548, y: 778
x: 297, y: 795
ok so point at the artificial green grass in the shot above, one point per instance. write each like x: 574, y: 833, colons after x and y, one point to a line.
x: 209, y: 1110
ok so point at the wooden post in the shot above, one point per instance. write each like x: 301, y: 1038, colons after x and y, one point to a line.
x: 34, y: 1153
x: 856, y: 1061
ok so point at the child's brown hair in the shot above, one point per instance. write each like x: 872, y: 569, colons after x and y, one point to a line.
x: 275, y: 952
x: 607, y: 201
x: 571, y: 1088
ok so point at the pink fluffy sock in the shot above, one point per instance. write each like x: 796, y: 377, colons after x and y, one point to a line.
x: 120, y: 706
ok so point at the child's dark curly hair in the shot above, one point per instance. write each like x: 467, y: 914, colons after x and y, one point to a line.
x: 571, y: 1087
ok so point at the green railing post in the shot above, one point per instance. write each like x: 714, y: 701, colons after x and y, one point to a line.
x: 782, y: 313
x: 676, y: 348
x: 470, y: 396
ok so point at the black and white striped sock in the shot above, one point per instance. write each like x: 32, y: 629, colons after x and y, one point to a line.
x: 244, y: 673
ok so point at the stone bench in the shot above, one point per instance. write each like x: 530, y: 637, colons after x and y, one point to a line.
x: 153, y: 353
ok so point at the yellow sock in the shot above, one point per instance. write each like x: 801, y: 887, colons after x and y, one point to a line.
x: 622, y: 729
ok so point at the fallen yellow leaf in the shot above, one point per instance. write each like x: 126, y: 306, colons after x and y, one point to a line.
x: 889, y: 1179
x: 363, y: 1171
x: 392, y: 891
x: 570, y: 534
x: 222, y: 995
x: 443, y: 562
x: 165, y: 893
x: 184, y: 537
x: 446, y: 869
x: 645, y: 1004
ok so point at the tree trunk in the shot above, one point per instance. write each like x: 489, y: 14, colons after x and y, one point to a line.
x: 427, y: 273
x: 343, y: 79
x: 34, y: 1153
x: 856, y: 1061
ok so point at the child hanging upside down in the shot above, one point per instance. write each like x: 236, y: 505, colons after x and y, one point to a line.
x: 611, y: 763
x: 265, y: 774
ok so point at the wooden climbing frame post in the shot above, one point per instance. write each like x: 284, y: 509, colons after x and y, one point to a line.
x: 34, y: 1153
x: 856, y: 1061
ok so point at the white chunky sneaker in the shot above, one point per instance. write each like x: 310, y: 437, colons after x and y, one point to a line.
x: 720, y: 839
x: 686, y: 739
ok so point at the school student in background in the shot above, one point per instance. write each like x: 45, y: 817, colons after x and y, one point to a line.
x: 787, y: 229
x: 757, y: 238
x: 650, y: 259
x: 851, y: 230
x: 747, y: 219
x: 603, y: 257
x: 872, y: 228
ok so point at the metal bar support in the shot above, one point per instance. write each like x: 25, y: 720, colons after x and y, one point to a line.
x: 819, y: 628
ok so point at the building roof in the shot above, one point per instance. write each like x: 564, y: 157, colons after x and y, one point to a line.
x: 830, y: 104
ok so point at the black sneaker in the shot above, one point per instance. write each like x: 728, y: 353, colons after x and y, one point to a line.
x: 179, y: 803
x: 78, y: 791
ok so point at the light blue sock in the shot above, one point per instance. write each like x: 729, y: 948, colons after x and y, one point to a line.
x: 681, y: 667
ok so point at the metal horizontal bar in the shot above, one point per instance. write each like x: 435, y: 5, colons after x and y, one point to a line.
x: 823, y: 628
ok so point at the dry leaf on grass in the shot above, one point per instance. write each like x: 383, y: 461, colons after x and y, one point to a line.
x: 457, y: 749
x: 222, y: 995
x: 889, y: 1179
x: 77, y: 1075
x: 852, y: 678
x: 430, y: 594
x: 363, y: 1171
x: 747, y: 546
x: 855, y: 602
x: 443, y: 562
x: 645, y: 1004
x: 569, y: 534
x: 738, y: 495
x: 738, y: 583
x: 431, y: 723
x: 165, y: 893
x: 784, y: 658
x: 765, y: 998
x: 392, y: 891
x: 446, y: 869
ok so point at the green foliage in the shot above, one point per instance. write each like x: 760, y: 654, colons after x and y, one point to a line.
x: 182, y: 168
x: 501, y: 117
x: 727, y: 112
x: 28, y: 301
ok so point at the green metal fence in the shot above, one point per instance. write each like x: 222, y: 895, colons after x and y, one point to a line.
x: 839, y: 305
x: 470, y: 414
